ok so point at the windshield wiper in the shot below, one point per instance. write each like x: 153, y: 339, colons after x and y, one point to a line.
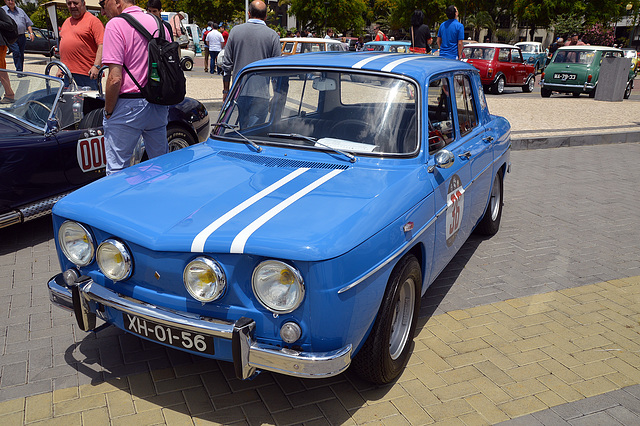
x: 234, y: 127
x: 312, y: 140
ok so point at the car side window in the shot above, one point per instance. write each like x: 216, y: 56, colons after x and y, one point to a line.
x: 516, y: 56
x: 503, y: 55
x: 465, y: 104
x: 288, y: 47
x: 440, y: 114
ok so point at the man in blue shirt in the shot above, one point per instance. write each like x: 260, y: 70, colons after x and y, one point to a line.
x: 24, y: 24
x: 450, y: 35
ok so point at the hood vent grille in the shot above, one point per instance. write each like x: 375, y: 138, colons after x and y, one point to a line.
x: 282, y: 162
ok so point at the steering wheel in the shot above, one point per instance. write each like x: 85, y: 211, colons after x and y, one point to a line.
x: 33, y: 101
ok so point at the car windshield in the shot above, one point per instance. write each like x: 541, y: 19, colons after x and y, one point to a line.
x: 479, y: 53
x: 35, y: 98
x: 527, y: 48
x: 352, y: 112
x: 574, y: 57
x: 630, y: 53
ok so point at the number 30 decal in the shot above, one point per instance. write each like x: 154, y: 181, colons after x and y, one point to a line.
x: 455, y: 208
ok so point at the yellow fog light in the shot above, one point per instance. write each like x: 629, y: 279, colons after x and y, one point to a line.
x: 204, y: 279
x: 278, y: 286
x: 114, y: 260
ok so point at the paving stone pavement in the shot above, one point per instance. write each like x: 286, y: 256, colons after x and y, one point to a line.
x: 530, y: 325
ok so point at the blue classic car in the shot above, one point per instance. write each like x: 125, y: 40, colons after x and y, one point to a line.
x: 387, y: 46
x: 534, y: 54
x: 301, y: 236
x: 51, y: 142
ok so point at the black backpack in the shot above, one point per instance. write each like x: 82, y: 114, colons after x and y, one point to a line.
x: 8, y: 28
x: 166, y: 83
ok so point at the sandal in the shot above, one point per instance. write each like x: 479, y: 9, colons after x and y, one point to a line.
x: 6, y: 100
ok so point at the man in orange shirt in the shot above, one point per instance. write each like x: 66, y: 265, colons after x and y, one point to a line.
x: 81, y: 44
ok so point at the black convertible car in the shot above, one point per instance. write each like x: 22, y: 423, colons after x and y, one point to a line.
x: 44, y: 43
x: 51, y: 141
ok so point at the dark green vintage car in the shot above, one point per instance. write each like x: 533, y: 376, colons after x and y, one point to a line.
x: 575, y: 69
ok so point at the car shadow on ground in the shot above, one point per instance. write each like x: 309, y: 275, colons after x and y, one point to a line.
x: 18, y: 237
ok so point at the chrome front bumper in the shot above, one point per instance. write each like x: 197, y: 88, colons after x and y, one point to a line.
x: 249, y: 356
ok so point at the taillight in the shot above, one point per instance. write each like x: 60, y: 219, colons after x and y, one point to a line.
x: 589, y: 78
x: 542, y: 75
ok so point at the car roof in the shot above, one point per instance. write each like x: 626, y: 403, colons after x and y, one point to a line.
x: 417, y: 66
x: 528, y: 42
x: 589, y: 47
x: 310, y: 39
x: 388, y: 42
x: 510, y: 46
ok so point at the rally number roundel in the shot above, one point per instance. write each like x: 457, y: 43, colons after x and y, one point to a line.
x: 455, y: 207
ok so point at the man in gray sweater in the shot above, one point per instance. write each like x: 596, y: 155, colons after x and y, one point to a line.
x: 250, y: 42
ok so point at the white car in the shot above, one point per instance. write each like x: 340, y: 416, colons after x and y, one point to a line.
x: 186, y: 60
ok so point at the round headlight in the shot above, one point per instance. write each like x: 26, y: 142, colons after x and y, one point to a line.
x: 204, y: 279
x: 76, y: 243
x: 114, y: 260
x: 278, y: 286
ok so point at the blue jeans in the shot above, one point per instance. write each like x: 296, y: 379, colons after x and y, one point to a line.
x: 213, y: 56
x: 17, y: 49
x: 131, y: 119
x: 82, y: 81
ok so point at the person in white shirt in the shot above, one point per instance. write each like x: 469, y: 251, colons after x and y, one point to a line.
x: 214, y: 42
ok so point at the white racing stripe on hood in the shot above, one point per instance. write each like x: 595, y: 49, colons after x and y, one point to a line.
x: 364, y: 62
x: 198, y: 242
x: 394, y: 64
x: 241, y: 239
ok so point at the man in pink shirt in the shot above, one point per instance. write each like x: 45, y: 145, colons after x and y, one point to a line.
x: 127, y: 114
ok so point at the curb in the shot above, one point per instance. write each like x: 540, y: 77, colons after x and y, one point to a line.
x: 545, y: 142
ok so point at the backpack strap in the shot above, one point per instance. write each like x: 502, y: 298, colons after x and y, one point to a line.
x: 142, y: 30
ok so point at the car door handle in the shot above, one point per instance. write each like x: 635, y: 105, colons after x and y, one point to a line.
x: 465, y: 154
x: 487, y: 139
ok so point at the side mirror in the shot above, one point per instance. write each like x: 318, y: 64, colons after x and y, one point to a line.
x: 52, y: 126
x: 443, y: 160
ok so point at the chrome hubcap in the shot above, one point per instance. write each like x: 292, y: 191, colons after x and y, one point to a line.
x: 495, y: 198
x: 402, y: 316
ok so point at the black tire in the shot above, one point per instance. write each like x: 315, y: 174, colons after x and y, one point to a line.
x: 592, y: 94
x: 498, y: 87
x: 627, y: 90
x: 486, y: 88
x: 92, y: 120
x: 530, y: 85
x: 545, y: 93
x: 179, y: 138
x: 388, y: 346
x: 187, y: 64
x: 490, y: 222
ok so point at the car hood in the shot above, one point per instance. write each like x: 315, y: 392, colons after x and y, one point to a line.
x: 202, y: 199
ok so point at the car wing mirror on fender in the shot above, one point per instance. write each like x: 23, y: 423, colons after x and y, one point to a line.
x: 52, y: 127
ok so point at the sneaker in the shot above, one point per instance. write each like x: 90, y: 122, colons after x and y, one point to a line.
x: 6, y: 100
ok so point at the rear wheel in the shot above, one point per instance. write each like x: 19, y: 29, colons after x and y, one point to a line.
x: 490, y: 222
x: 576, y: 94
x: 627, y: 91
x: 545, y: 93
x: 187, y: 64
x: 592, y: 94
x: 388, y: 347
x: 498, y: 86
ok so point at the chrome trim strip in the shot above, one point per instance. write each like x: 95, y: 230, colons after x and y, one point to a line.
x: 199, y: 241
x: 237, y: 246
x: 251, y: 355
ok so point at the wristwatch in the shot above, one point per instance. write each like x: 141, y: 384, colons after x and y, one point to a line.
x: 224, y: 92
x: 107, y: 114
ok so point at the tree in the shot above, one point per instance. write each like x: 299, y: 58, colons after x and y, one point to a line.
x: 537, y: 13
x: 566, y: 25
x: 343, y: 15
x: 479, y: 21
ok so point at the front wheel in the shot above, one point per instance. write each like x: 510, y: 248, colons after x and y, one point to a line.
x: 179, y: 138
x: 490, y: 222
x: 388, y: 347
x: 530, y: 85
x: 187, y: 64
x: 498, y: 86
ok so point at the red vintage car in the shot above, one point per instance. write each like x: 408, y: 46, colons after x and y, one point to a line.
x: 500, y: 65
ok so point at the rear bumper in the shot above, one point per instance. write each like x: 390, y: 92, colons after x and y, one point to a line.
x: 88, y: 300
x: 582, y: 88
